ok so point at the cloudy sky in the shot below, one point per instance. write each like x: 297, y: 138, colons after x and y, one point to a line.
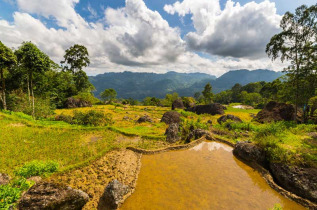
x: 210, y: 36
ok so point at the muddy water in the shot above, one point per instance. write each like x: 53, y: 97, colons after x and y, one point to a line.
x: 207, y: 176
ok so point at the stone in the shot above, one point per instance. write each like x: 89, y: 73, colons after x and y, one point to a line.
x: 75, y: 102
x: 46, y: 195
x: 227, y: 117
x: 198, y: 133
x: 4, y: 179
x: 212, y: 109
x: 251, y: 153
x: 171, y: 117
x: 114, y: 195
x: 171, y: 133
x: 144, y: 118
x: 298, y: 180
x: 274, y: 111
x: 35, y: 179
x: 178, y: 104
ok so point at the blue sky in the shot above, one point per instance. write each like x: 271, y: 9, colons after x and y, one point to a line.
x: 150, y: 35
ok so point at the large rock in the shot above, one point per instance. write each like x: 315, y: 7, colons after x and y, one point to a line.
x: 75, y: 102
x: 249, y: 152
x: 171, y: 133
x: 300, y: 181
x: 178, y: 104
x: 274, y: 111
x: 145, y: 118
x: 212, y: 109
x: 114, y: 195
x: 4, y: 179
x: 52, y: 196
x: 171, y: 117
x: 227, y: 117
x: 198, y: 133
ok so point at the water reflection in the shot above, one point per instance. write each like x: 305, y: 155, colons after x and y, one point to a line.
x: 211, y: 146
x: 205, y: 177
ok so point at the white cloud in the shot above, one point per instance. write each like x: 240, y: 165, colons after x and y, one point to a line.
x: 132, y: 38
x: 236, y: 31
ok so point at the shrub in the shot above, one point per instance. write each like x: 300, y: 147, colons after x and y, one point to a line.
x: 277, y: 206
x: 92, y: 118
x: 65, y: 118
x: 11, y: 193
x: 37, y: 168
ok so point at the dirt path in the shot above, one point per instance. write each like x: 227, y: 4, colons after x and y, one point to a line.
x: 123, y: 165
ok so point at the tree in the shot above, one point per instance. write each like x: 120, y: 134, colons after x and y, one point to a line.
x: 236, y: 90
x: 7, y: 59
x: 75, y: 59
x: 207, y: 93
x: 33, y: 61
x: 295, y: 44
x: 223, y: 97
x: 108, y: 95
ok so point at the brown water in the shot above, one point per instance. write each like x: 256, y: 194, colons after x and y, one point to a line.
x: 207, y: 176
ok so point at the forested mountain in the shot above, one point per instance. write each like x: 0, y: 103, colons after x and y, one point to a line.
x: 141, y: 85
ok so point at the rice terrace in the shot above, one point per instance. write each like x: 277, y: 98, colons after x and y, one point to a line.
x: 139, y: 104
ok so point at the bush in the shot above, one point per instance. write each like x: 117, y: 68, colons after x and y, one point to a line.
x: 37, y: 168
x: 87, y: 96
x: 188, y: 125
x: 65, y: 118
x: 92, y: 118
x: 11, y: 193
x: 19, y: 102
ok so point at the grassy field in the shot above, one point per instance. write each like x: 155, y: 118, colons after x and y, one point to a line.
x: 24, y: 139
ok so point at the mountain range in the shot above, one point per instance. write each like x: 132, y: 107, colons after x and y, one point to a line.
x: 140, y: 85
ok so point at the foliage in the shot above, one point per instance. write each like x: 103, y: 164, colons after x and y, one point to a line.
x: 151, y: 101
x: 33, y: 61
x: 187, y: 126
x: 11, y: 193
x: 108, y: 95
x: 296, y: 43
x: 75, y: 58
x: 92, y: 118
x: 207, y: 93
x: 7, y: 59
x: 37, y: 168
x: 277, y: 206
x: 87, y: 96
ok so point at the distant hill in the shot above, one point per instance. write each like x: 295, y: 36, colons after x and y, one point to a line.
x: 141, y: 85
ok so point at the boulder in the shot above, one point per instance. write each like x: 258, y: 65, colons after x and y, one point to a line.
x: 145, y: 118
x: 47, y: 195
x: 227, y: 117
x: 212, y: 109
x: 274, y: 111
x: 172, y: 133
x: 300, y: 181
x: 250, y: 153
x: 114, y: 195
x: 171, y: 117
x: 126, y: 118
x: 178, y: 104
x: 198, y: 133
x: 4, y: 179
x: 75, y: 102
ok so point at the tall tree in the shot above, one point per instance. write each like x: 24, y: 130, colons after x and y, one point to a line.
x: 32, y: 61
x: 75, y: 59
x: 7, y: 59
x: 207, y: 93
x: 108, y: 95
x: 294, y: 43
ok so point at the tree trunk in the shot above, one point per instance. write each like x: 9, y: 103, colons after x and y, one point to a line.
x: 3, y: 91
x: 28, y: 84
x: 32, y: 92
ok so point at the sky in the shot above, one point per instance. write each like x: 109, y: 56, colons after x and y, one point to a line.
x: 208, y: 36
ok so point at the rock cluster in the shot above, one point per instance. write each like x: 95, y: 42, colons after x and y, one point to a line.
x: 178, y: 104
x: 227, y: 117
x: 212, y: 109
x: 46, y: 195
x: 74, y: 103
x: 172, y: 133
x: 250, y: 153
x: 114, y: 195
x: 274, y: 111
x: 171, y: 117
x: 144, y: 118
